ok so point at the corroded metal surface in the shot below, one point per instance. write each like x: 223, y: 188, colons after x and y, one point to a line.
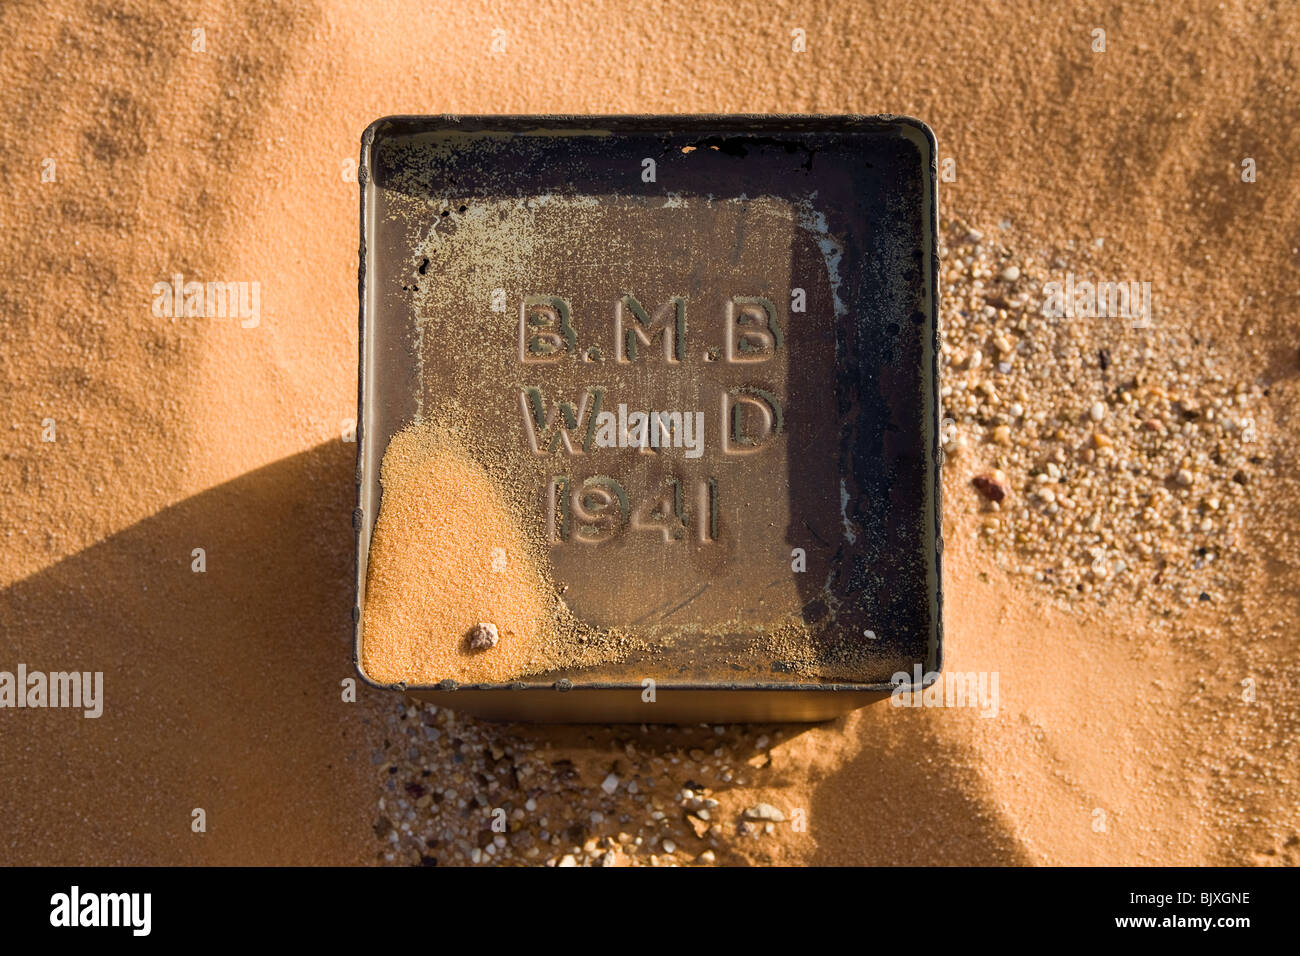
x: 704, y: 349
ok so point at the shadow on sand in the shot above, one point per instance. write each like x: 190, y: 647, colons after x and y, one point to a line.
x: 222, y: 689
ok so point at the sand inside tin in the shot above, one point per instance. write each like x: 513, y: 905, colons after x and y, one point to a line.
x: 455, y: 547
x: 447, y: 554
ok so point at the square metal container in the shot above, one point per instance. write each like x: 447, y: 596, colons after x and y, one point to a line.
x: 773, y: 278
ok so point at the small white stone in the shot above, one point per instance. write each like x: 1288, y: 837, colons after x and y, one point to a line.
x: 1097, y: 412
x: 610, y: 783
x: 1010, y: 273
x: 764, y: 811
x: 483, y: 636
x: 669, y: 846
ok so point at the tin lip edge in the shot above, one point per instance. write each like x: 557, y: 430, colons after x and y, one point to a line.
x: 550, y: 688
x: 566, y: 122
x: 360, y: 551
x: 927, y: 143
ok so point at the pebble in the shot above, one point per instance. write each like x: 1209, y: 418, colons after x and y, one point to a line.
x: 991, y: 484
x: 1097, y: 412
x: 764, y: 811
x: 610, y: 783
x: 1010, y: 273
x: 483, y: 635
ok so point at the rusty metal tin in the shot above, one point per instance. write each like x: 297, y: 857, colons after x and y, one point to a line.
x: 740, y: 314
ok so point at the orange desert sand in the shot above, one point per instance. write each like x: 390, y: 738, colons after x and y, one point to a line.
x: 1140, y: 613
